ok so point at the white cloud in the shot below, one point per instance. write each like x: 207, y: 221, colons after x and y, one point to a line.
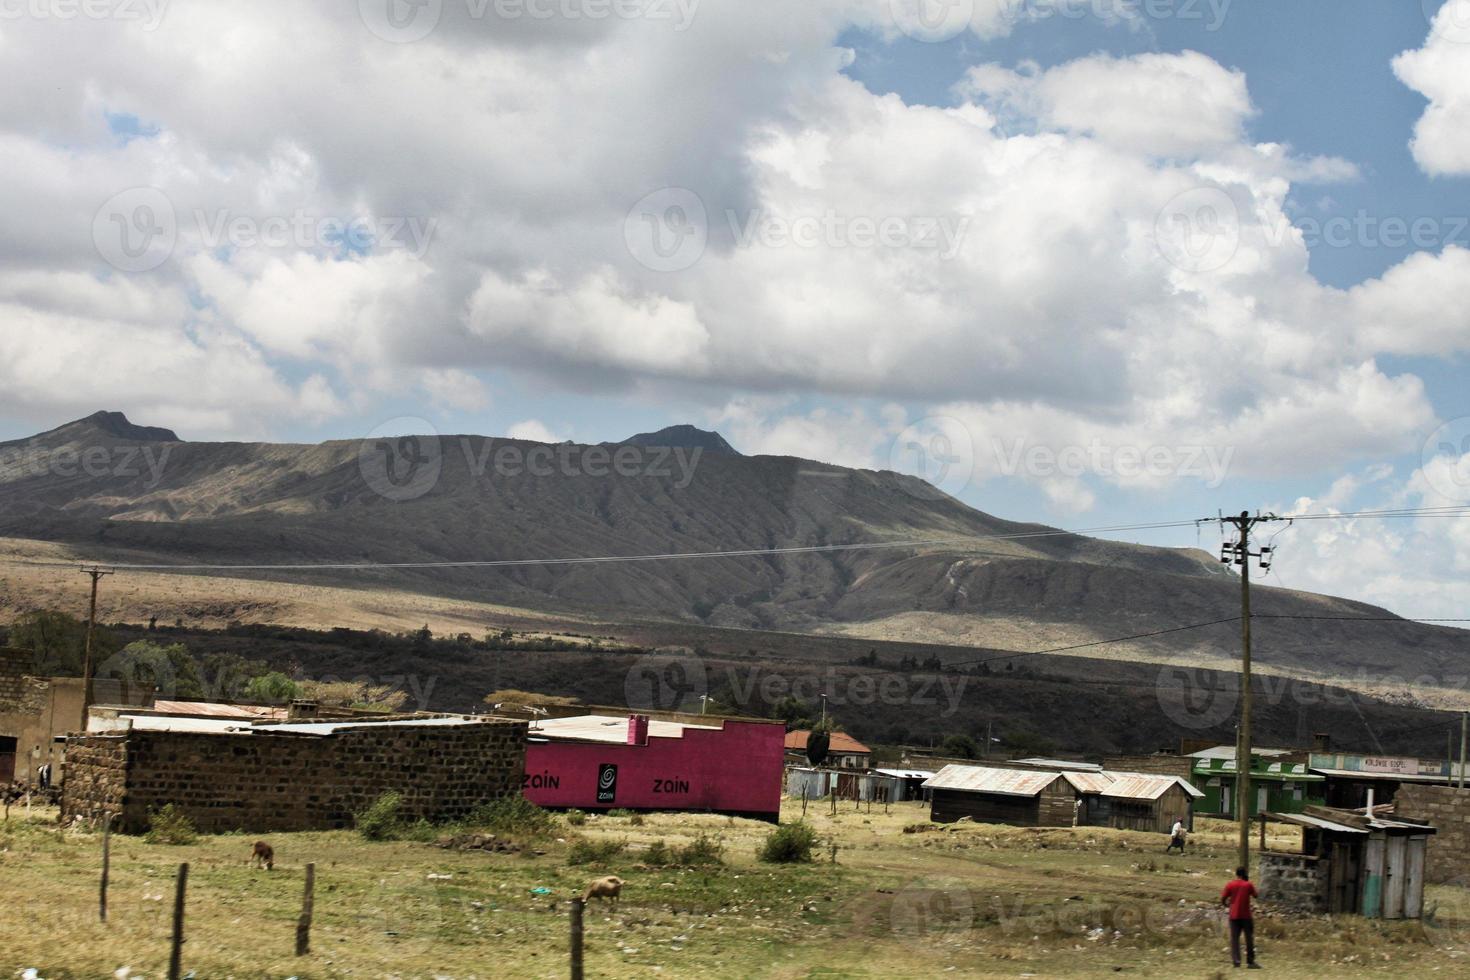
x: 1416, y: 567
x: 1440, y: 71
x: 534, y: 430
x: 1162, y: 104
x: 1001, y: 256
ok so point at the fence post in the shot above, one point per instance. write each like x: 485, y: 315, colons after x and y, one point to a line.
x: 175, y: 956
x: 303, y: 925
x: 576, y: 939
x: 106, y: 865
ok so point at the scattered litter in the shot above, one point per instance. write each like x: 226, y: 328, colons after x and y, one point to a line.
x: 542, y: 890
x: 434, y: 877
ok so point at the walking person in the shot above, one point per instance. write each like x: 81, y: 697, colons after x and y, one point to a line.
x: 1237, y: 897
x: 1176, y: 837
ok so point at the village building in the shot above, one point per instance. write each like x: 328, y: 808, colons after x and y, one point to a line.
x: 34, y: 710
x: 1349, y: 862
x: 1012, y: 796
x: 697, y: 763
x: 843, y: 751
x: 1135, y: 801
x: 1355, y: 780
x: 232, y: 774
x: 875, y: 785
x: 1048, y: 798
x: 1280, y: 781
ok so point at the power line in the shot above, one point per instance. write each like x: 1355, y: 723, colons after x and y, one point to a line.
x: 736, y: 553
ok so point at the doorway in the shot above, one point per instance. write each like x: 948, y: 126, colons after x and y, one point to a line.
x: 7, y: 760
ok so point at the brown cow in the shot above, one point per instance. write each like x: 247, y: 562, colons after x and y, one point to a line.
x: 263, y: 856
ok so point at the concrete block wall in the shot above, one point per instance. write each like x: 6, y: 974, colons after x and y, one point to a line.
x: 1447, y: 809
x: 261, y: 782
x: 1294, y: 881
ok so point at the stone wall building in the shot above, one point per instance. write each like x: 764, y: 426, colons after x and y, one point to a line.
x: 33, y: 711
x: 293, y: 776
x: 1448, y: 809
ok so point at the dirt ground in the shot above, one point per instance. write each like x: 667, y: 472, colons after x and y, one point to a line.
x: 965, y: 900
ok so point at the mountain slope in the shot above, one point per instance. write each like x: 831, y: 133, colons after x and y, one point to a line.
x: 949, y: 574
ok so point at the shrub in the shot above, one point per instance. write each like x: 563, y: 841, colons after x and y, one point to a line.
x: 702, y: 850
x: 790, y: 844
x: 658, y: 855
x: 514, y: 816
x: 636, y: 820
x: 576, y: 818
x: 594, y: 852
x: 620, y: 813
x: 170, y: 825
x: 380, y: 820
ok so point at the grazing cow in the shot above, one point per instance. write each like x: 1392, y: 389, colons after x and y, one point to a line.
x: 263, y: 856
x: 610, y: 887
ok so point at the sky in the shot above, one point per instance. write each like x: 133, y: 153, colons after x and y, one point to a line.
x: 1085, y: 262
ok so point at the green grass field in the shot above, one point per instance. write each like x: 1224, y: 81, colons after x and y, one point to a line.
x: 971, y: 900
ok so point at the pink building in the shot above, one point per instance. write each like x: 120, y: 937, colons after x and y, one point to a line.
x: 606, y: 762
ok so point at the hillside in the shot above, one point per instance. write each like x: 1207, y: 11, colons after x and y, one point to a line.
x: 108, y: 490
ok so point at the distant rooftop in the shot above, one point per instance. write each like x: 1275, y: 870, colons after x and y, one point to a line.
x: 608, y: 728
x: 840, y: 742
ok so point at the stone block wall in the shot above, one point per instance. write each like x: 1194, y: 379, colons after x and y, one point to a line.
x: 261, y: 781
x: 1447, y: 809
x: 15, y: 680
x: 1293, y: 881
x: 1160, y: 765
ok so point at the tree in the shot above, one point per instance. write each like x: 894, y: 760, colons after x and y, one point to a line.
x: 272, y: 688
x: 56, y: 641
x: 144, y: 667
x: 961, y: 747
x: 817, y: 744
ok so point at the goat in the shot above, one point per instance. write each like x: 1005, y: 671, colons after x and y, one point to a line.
x: 263, y: 856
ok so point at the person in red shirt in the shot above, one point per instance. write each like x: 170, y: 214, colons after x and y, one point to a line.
x: 1237, y: 896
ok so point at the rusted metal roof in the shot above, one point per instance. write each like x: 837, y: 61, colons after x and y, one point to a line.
x: 839, y: 742
x: 210, y: 709
x: 1360, y: 824
x: 1144, y: 786
x: 1088, y: 782
x: 978, y: 779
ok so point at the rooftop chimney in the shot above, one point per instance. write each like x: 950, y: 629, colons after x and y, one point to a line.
x: 637, y: 729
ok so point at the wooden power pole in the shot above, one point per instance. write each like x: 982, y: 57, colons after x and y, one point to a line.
x: 1240, y: 554
x: 96, y: 574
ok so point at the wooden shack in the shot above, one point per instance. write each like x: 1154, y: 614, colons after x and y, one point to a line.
x: 1350, y: 862
x: 1011, y: 796
x: 1148, y: 802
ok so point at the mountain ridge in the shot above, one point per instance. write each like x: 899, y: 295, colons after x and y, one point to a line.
x: 884, y: 554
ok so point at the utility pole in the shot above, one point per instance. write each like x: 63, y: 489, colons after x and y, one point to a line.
x: 96, y: 573
x: 1240, y: 554
x: 1464, y: 734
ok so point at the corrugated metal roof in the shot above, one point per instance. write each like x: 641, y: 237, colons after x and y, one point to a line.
x: 906, y: 773
x: 166, y: 723
x: 607, y: 728
x: 1228, y: 752
x: 837, y: 742
x: 1144, y: 786
x: 210, y: 709
x: 1088, y: 782
x: 333, y: 727
x: 1396, y: 777
x: 1305, y: 820
x: 1063, y: 765
x: 1004, y: 782
x: 1374, y: 823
